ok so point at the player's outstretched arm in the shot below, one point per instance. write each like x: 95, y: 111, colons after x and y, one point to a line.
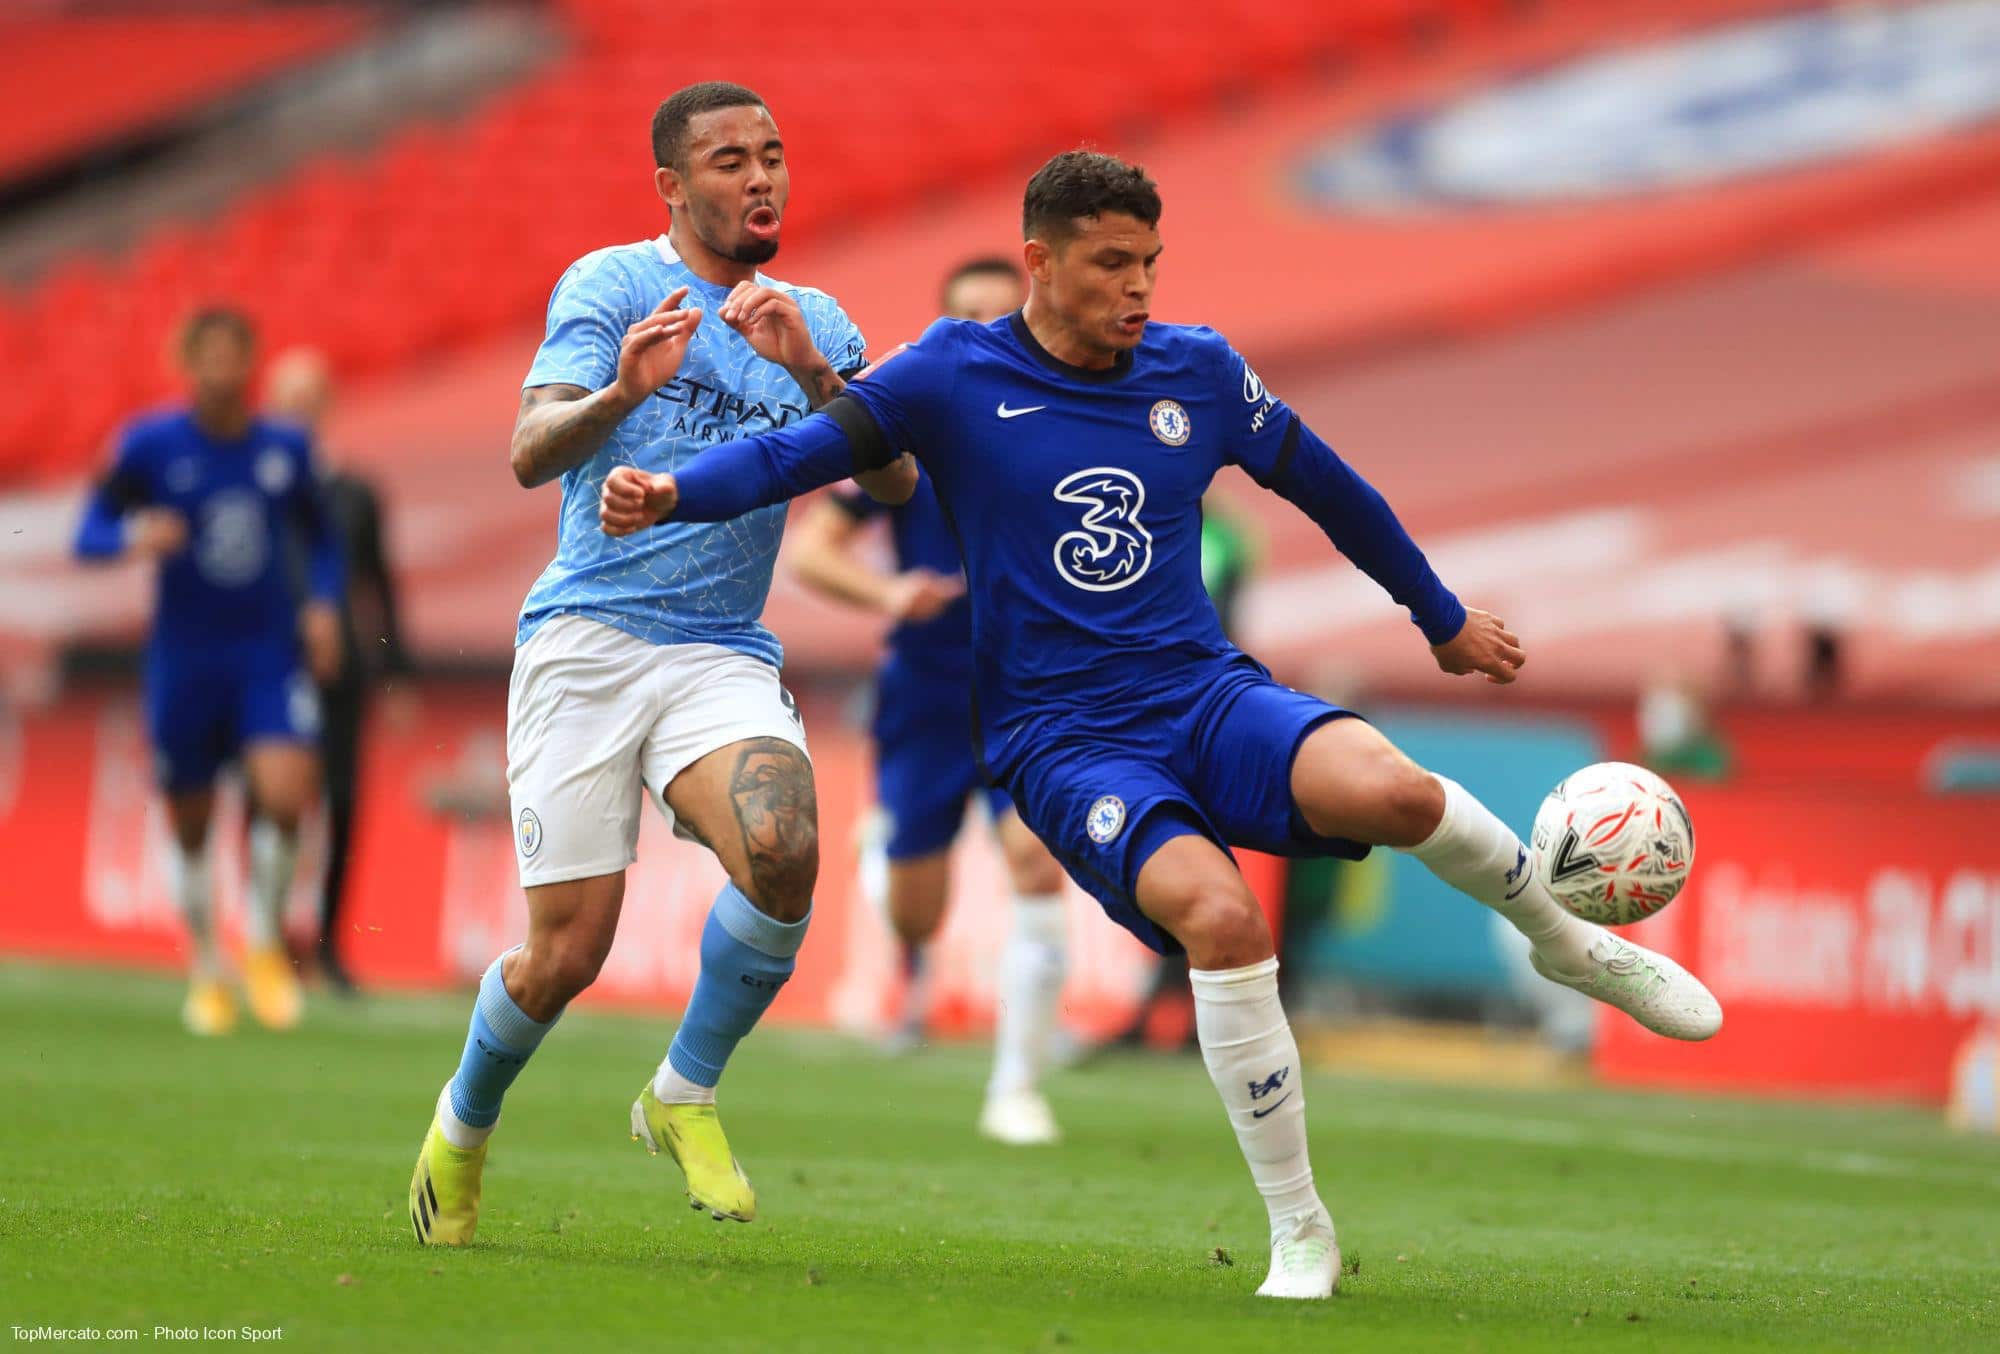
x: 819, y: 548
x: 733, y: 478
x: 1360, y: 522
x: 559, y: 427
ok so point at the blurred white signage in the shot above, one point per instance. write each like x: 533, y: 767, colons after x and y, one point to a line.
x: 1720, y: 105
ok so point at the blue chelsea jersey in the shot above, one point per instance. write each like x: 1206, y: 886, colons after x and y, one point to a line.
x: 1076, y: 494
x: 1085, y: 563
x: 682, y: 582
x: 241, y: 499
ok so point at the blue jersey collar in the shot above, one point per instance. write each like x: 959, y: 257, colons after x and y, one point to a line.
x: 1117, y: 371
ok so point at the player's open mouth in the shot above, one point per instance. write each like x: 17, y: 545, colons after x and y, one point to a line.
x: 1135, y: 323
x: 762, y: 222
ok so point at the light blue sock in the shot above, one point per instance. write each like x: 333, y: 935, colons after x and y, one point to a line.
x: 746, y: 957
x: 496, y: 1049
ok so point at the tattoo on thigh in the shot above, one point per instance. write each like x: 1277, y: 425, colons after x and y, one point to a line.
x: 772, y: 790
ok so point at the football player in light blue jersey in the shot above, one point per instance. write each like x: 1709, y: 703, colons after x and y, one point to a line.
x: 641, y: 668
x: 1070, y: 444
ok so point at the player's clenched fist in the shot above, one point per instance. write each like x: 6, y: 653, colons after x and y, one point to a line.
x: 635, y: 499
x: 1482, y: 644
x: 651, y: 353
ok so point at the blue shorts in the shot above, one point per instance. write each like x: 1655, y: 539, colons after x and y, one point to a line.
x: 1211, y: 754
x: 204, y: 704
x: 925, y: 769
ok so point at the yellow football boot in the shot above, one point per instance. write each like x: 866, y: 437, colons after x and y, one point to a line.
x: 444, y: 1190
x: 210, y: 1008
x: 272, y: 986
x: 692, y: 1136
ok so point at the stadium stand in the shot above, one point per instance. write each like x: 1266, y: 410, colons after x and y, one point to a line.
x: 448, y: 233
x: 72, y: 83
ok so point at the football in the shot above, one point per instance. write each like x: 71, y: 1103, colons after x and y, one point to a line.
x: 1614, y: 843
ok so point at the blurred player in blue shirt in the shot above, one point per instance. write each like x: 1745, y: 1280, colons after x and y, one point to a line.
x: 213, y: 493
x: 641, y: 670
x: 1070, y: 445
x: 924, y: 767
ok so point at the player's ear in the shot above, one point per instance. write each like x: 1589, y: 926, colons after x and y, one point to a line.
x: 667, y: 182
x: 1037, y: 256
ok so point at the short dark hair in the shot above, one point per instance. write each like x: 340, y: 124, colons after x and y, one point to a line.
x: 987, y: 265
x: 671, y: 118
x: 1079, y: 183
x: 215, y: 317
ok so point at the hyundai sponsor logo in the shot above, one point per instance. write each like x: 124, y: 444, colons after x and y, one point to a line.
x: 1720, y: 105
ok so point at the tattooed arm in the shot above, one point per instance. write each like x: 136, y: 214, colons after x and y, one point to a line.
x: 559, y: 427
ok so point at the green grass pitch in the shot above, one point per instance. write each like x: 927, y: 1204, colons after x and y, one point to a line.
x: 148, y: 1179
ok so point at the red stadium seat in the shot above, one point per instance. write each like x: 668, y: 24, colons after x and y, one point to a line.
x: 447, y: 233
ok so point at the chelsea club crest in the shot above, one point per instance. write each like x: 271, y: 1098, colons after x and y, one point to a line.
x: 1170, y: 423
x: 1105, y: 819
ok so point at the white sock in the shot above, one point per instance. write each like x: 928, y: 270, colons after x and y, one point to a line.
x: 187, y: 876
x: 273, y: 854
x: 916, y: 960
x: 1254, y: 1062
x: 456, y: 1131
x: 1480, y: 856
x: 671, y: 1088
x: 1032, y: 968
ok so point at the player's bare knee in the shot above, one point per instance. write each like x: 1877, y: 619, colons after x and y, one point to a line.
x: 771, y: 789
x: 1412, y: 805
x: 1221, y: 927
x: 555, y: 970
x: 780, y: 881
x: 1032, y: 869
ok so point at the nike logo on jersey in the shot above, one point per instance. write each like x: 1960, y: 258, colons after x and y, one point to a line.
x: 1005, y: 412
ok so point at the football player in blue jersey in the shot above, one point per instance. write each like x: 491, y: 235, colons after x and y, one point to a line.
x: 641, y: 671
x: 1069, y: 444
x: 924, y: 768
x: 212, y: 493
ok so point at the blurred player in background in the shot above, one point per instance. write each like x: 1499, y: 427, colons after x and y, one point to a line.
x: 1071, y: 444
x: 212, y: 492
x: 642, y: 669
x: 924, y: 766
x: 300, y: 388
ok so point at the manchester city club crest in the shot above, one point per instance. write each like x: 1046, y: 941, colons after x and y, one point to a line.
x: 1170, y: 423
x: 1105, y: 819
x: 528, y: 834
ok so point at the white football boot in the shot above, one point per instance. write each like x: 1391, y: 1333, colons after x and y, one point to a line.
x: 1649, y: 987
x: 1305, y: 1260
x: 1018, y: 1118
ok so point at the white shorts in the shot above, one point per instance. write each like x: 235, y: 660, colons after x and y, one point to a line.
x: 596, y: 719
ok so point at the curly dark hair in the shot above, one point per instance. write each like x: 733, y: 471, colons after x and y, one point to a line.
x: 1081, y: 183
x: 671, y: 118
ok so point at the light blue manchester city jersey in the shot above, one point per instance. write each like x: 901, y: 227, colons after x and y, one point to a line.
x: 682, y: 582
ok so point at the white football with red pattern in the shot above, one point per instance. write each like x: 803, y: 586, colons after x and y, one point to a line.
x: 1614, y: 843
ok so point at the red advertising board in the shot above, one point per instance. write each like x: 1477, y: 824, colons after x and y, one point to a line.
x: 435, y: 895
x: 1853, y: 939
